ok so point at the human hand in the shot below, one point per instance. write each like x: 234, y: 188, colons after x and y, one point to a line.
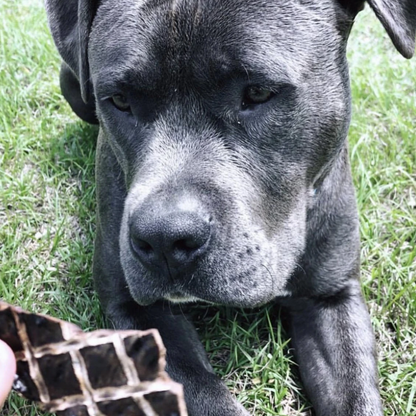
x: 7, y: 371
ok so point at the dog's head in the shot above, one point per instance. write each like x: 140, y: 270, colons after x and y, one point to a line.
x: 224, y: 116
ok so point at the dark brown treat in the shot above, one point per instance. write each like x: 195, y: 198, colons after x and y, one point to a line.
x: 111, y: 375
x: 164, y: 403
x: 75, y: 411
x: 59, y: 376
x: 123, y: 407
x: 41, y: 330
x: 8, y: 330
x: 102, y: 373
x: 145, y: 354
x: 24, y: 384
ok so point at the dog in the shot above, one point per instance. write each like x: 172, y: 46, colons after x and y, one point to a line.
x: 223, y: 175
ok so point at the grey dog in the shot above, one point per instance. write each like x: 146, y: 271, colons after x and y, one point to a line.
x: 223, y: 175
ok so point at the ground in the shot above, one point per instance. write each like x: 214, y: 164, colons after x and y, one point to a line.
x: 47, y: 216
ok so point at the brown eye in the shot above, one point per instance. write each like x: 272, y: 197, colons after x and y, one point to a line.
x: 120, y: 102
x: 255, y: 95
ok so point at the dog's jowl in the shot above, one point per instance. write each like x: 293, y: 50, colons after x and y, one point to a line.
x: 223, y: 175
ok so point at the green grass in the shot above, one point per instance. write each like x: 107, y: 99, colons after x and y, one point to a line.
x: 47, y: 215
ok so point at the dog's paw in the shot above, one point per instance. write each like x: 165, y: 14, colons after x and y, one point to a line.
x: 218, y: 406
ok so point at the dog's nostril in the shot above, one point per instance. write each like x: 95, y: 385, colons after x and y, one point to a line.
x: 187, y: 244
x: 141, y: 245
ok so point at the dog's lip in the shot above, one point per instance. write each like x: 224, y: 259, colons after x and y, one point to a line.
x: 177, y: 297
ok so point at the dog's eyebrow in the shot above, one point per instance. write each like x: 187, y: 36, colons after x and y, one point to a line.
x: 274, y: 64
x: 105, y: 90
x: 116, y: 80
x: 252, y: 66
x: 265, y: 61
x: 268, y: 69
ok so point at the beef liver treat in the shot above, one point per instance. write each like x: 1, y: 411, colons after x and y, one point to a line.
x: 100, y: 373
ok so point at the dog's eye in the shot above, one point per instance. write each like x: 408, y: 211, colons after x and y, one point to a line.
x: 120, y: 102
x: 255, y: 95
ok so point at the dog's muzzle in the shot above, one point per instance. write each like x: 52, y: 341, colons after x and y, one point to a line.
x: 169, y: 240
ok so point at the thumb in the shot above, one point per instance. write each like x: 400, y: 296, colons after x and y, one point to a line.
x: 7, y: 370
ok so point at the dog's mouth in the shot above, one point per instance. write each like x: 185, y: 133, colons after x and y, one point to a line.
x: 178, y: 297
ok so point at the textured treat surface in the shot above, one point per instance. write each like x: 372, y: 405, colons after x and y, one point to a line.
x: 101, y: 373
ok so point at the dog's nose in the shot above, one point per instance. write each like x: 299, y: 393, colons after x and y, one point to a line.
x: 177, y: 238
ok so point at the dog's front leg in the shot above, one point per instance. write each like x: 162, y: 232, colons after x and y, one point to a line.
x: 334, y: 346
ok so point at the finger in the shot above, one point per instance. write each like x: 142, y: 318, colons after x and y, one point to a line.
x: 7, y: 371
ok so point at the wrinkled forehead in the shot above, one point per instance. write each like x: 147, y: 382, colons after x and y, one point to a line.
x: 284, y: 38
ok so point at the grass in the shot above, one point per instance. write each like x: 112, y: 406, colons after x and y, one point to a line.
x: 47, y: 216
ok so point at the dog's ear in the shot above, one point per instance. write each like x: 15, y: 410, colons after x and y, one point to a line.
x: 399, y: 19
x: 397, y: 16
x: 70, y: 23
